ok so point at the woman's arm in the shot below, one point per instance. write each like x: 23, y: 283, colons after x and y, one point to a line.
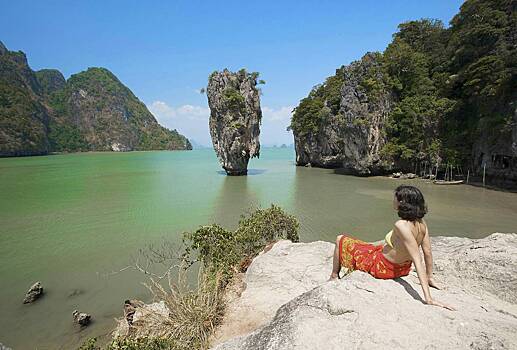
x: 412, y: 247
x: 428, y: 259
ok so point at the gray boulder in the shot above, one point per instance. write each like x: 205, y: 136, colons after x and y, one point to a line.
x: 288, y: 304
x: 81, y: 318
x: 34, y: 292
x: 235, y: 118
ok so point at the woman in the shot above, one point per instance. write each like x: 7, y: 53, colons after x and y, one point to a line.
x: 394, y: 258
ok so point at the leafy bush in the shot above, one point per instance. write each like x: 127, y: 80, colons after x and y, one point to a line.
x: 132, y: 344
x: 220, y: 251
x: 264, y: 226
x: 214, y: 246
x: 234, y: 100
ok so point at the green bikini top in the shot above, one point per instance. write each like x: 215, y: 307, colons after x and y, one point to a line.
x: 388, y: 238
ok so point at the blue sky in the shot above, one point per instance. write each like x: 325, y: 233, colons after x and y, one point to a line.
x: 165, y: 50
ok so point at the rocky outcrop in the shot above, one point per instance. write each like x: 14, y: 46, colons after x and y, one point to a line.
x: 342, y: 123
x: 288, y: 304
x: 81, y: 318
x: 142, y: 320
x: 235, y: 118
x: 34, y: 292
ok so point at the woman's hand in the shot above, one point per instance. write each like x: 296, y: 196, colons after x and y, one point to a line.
x: 440, y: 304
x: 432, y: 283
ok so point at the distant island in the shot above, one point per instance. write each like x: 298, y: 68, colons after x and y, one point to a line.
x: 41, y: 112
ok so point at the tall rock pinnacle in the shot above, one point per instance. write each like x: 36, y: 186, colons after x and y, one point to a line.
x: 235, y: 117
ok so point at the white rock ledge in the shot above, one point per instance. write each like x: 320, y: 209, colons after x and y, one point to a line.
x: 288, y: 304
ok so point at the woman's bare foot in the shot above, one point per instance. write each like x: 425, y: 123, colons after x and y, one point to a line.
x: 333, y: 276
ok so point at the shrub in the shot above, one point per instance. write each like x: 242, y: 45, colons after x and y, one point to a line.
x: 220, y: 250
x: 264, y: 226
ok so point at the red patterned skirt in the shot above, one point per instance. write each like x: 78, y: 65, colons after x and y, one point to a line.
x: 355, y: 254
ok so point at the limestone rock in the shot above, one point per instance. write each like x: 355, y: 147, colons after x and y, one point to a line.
x: 147, y: 320
x: 290, y: 306
x: 235, y: 118
x: 34, y: 292
x: 81, y: 318
x: 352, y: 137
x: 130, y: 307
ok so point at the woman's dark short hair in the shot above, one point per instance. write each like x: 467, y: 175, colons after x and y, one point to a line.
x: 411, y: 203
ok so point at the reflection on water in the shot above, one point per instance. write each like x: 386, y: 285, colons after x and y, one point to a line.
x: 233, y: 197
x: 251, y: 172
x: 68, y: 220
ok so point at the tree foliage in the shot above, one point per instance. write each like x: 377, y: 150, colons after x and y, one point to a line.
x: 451, y: 84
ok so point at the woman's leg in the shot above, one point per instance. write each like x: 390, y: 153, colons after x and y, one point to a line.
x: 336, y: 264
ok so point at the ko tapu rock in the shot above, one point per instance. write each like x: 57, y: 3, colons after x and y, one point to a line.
x: 235, y: 118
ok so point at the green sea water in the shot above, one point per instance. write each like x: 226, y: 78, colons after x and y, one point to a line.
x: 70, y: 220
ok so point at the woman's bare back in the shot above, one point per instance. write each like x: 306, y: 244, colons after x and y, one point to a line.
x: 399, y: 254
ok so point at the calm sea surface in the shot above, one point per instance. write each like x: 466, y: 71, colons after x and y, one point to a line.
x: 70, y: 220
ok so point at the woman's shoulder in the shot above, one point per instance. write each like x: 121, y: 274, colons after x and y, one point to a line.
x: 401, y: 224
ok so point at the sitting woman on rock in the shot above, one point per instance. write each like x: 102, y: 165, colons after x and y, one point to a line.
x: 394, y: 258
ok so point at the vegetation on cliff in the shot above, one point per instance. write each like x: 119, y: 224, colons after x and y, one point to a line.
x: 451, y: 86
x: 97, y: 109
x: 41, y: 112
x: 23, y: 115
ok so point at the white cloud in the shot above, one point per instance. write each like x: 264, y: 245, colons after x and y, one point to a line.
x: 282, y: 114
x: 162, y: 110
x: 192, y: 121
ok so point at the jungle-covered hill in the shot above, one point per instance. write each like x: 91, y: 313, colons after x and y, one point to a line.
x: 41, y: 112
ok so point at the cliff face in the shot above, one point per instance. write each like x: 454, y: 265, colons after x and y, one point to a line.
x: 341, y: 124
x: 235, y: 117
x: 24, y: 117
x: 92, y: 111
x: 495, y: 153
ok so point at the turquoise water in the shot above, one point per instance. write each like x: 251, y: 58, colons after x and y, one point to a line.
x: 70, y: 220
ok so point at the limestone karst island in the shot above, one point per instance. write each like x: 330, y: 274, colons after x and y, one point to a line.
x: 258, y: 175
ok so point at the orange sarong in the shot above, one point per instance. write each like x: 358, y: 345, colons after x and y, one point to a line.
x: 355, y: 254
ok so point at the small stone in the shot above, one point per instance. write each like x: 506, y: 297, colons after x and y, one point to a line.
x: 130, y: 307
x: 81, y: 318
x: 2, y: 346
x: 35, y: 291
